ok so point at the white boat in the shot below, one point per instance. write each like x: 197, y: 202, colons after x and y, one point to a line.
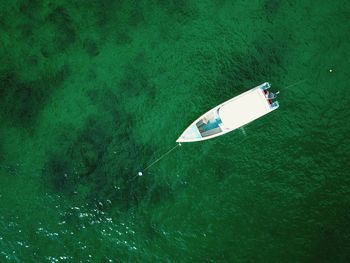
x: 232, y: 114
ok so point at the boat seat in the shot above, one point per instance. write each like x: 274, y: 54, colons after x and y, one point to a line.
x: 211, y: 132
x: 199, y: 123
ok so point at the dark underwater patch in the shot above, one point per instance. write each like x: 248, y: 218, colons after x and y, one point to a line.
x: 105, y: 12
x: 32, y: 60
x: 160, y: 193
x: 271, y: 8
x: 26, y: 30
x: 65, y: 33
x: 30, y: 22
x: 151, y: 228
x: 29, y: 8
x: 108, y: 102
x: 178, y: 9
x: 136, y: 15
x: 58, y: 171
x: 135, y: 81
x: 91, y: 47
x: 100, y: 164
x: 21, y: 101
x: 2, y: 153
x: 122, y: 37
x: 239, y: 71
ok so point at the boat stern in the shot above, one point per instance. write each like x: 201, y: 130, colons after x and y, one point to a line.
x: 270, y: 96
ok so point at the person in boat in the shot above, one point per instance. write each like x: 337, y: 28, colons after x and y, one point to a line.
x: 270, y: 95
x: 210, y: 122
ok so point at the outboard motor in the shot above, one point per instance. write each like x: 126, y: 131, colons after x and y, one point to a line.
x: 275, y: 105
x: 272, y: 95
x: 266, y: 86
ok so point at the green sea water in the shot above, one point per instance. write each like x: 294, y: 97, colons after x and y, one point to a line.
x: 93, y: 91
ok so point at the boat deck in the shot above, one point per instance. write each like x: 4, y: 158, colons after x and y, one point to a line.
x: 244, y: 109
x: 230, y: 115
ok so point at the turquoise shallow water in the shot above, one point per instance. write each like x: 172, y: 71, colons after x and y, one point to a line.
x: 91, y: 92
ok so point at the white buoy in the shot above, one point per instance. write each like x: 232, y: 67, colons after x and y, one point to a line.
x: 140, y: 173
x: 331, y: 70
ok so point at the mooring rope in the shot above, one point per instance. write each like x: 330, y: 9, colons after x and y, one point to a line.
x: 294, y: 84
x: 161, y: 157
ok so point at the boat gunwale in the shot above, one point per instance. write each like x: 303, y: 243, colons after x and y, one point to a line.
x: 180, y: 139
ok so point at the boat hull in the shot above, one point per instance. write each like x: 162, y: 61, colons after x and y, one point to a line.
x: 230, y: 115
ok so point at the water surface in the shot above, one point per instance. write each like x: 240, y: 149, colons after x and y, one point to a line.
x: 91, y: 92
